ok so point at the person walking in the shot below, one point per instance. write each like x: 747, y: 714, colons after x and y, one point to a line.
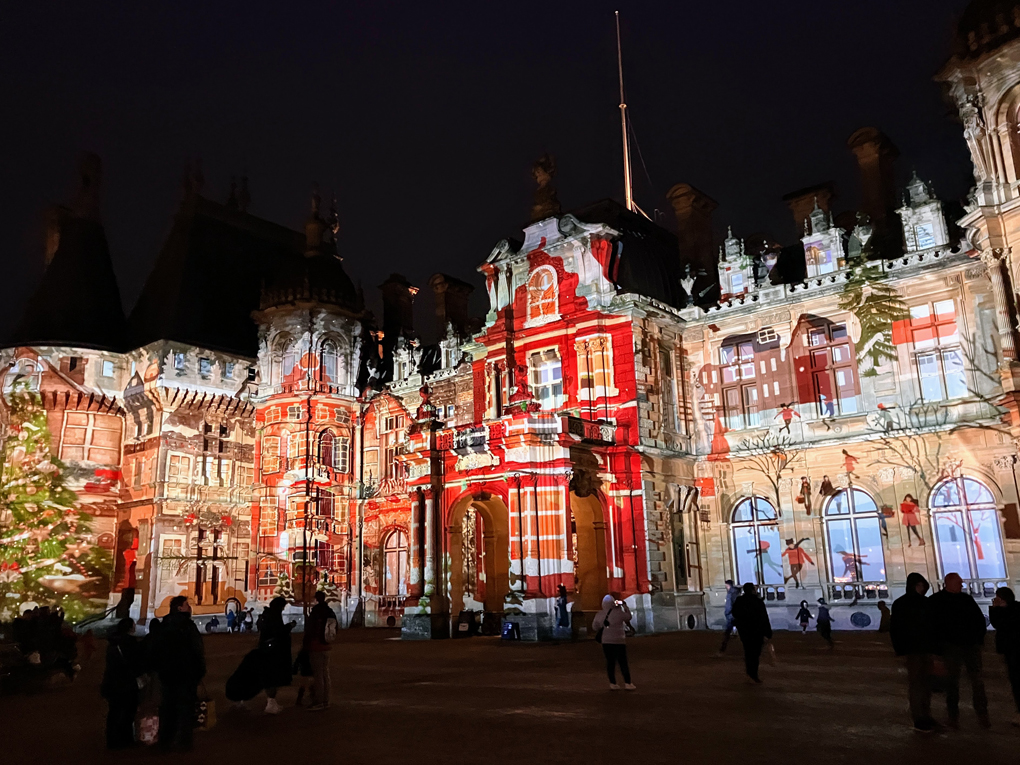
x: 120, y: 685
x: 274, y: 645
x: 824, y: 622
x: 752, y: 621
x: 1005, y: 617
x: 320, y: 632
x: 958, y: 629
x: 732, y: 593
x: 180, y: 664
x: 804, y: 617
x: 910, y: 632
x: 610, y: 627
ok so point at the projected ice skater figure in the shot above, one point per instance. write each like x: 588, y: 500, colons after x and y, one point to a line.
x: 787, y: 412
x: 850, y: 563
x: 763, y: 554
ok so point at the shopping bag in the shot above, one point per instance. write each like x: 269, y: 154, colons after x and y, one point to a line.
x: 770, y: 653
x: 148, y: 729
x: 205, y: 711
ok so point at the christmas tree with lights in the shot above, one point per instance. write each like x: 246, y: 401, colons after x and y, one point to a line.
x: 48, y: 555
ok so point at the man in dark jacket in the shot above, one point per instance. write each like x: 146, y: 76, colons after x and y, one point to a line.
x: 1005, y: 617
x: 910, y: 632
x: 180, y: 664
x: 318, y: 648
x: 752, y: 621
x: 958, y: 629
x: 120, y: 685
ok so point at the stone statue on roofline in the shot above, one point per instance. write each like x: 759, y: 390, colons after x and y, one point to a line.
x: 547, y: 204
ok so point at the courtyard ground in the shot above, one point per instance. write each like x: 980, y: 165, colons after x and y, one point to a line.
x: 481, y: 700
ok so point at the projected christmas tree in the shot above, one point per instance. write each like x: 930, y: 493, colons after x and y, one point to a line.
x: 47, y: 551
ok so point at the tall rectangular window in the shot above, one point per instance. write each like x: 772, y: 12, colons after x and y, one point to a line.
x: 833, y: 370
x: 547, y: 379
x: 594, y: 367
x: 935, y: 345
x: 740, y: 391
x: 667, y: 390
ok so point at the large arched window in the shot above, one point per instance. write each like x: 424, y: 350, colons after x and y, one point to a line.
x: 542, y: 294
x: 329, y: 365
x: 853, y: 527
x: 395, y: 575
x: 967, y: 534
x: 756, y: 545
x: 284, y: 358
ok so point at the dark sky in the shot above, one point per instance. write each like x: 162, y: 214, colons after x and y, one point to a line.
x: 426, y: 117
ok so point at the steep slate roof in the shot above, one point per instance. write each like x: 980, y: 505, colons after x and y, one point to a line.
x: 77, y: 303
x: 650, y: 262
x: 208, y: 277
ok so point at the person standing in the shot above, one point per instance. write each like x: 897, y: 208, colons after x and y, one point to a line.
x: 958, y: 629
x: 562, y: 608
x: 274, y: 645
x: 910, y: 515
x: 611, y: 622
x: 804, y: 617
x: 910, y: 632
x: 824, y: 622
x: 180, y: 663
x: 752, y: 621
x: 231, y: 621
x: 320, y: 631
x: 1005, y: 617
x: 120, y: 685
x: 732, y: 593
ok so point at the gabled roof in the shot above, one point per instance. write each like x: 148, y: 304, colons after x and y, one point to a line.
x: 208, y: 277
x: 77, y: 302
x: 650, y: 262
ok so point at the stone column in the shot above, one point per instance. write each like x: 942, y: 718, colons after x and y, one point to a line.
x: 416, y: 574
x: 993, y: 258
x: 430, y: 549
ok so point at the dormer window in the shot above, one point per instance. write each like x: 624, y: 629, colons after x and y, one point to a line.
x: 542, y: 294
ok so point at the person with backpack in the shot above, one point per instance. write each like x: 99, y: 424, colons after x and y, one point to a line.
x: 180, y: 662
x: 610, y: 627
x: 824, y: 623
x: 752, y: 621
x: 320, y: 633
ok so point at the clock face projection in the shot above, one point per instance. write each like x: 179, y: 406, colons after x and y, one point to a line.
x: 925, y: 234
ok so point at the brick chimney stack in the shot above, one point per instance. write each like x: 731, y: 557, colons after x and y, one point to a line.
x: 802, y: 202
x: 875, y: 157
x: 693, y: 209
x: 398, y: 309
x: 452, y: 296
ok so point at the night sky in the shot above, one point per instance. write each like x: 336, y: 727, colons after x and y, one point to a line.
x: 426, y: 117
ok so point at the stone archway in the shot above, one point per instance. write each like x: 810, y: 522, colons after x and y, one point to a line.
x: 479, y: 580
x: 588, y: 529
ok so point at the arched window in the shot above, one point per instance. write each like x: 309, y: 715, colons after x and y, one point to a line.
x: 284, y: 357
x: 542, y: 294
x: 853, y: 526
x: 967, y: 534
x: 756, y: 546
x: 327, y: 451
x: 395, y: 575
x: 329, y: 365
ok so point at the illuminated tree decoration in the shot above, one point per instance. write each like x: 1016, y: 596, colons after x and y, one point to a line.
x: 47, y: 551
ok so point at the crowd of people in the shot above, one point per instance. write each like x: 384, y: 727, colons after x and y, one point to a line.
x: 47, y: 643
x: 156, y: 684
x: 939, y: 637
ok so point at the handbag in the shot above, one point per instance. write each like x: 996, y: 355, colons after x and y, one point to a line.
x: 770, y: 653
x: 605, y: 623
x: 148, y: 729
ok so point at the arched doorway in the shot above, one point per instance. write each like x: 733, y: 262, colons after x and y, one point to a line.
x: 588, y: 546
x: 479, y: 546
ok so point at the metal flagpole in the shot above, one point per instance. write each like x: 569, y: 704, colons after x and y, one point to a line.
x: 628, y: 191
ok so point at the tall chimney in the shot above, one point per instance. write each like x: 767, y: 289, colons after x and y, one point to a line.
x: 875, y: 157
x: 452, y: 296
x: 802, y: 201
x: 54, y: 219
x: 398, y: 310
x: 693, y: 210
x: 90, y: 175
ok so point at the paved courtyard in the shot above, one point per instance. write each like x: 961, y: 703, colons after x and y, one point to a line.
x: 479, y: 700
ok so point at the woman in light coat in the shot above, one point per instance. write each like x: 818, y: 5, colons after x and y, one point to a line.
x: 612, y: 621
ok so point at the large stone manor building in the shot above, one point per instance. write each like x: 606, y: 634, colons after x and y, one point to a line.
x: 639, y: 412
